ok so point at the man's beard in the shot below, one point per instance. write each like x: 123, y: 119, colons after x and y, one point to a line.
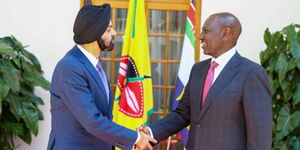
x: 103, y: 47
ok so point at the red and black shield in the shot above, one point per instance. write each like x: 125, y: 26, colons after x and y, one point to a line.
x: 130, y: 84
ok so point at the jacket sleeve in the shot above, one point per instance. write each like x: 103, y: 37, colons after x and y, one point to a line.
x: 80, y: 101
x: 258, y: 109
x: 176, y: 120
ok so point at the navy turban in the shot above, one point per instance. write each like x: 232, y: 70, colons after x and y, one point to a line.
x: 91, y: 22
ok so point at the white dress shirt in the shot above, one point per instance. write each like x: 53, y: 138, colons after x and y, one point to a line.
x: 89, y: 56
x: 222, y: 60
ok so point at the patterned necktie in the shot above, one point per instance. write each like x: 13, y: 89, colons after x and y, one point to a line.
x: 209, y: 80
x: 103, y: 78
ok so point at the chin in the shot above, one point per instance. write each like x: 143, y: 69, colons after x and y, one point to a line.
x: 205, y: 52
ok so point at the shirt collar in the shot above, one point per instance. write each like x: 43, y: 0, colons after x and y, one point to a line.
x: 223, y: 59
x: 89, y: 56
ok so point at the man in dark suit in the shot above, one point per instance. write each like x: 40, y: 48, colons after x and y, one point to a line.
x: 81, y: 100
x: 227, y: 100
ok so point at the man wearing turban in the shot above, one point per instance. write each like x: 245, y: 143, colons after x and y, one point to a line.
x: 81, y: 100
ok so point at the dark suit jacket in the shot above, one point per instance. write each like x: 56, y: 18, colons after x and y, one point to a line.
x: 237, y: 112
x: 81, y: 112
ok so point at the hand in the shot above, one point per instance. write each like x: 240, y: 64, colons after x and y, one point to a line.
x: 144, y: 142
x: 144, y: 129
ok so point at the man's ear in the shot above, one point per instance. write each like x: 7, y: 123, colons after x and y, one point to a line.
x: 226, y: 34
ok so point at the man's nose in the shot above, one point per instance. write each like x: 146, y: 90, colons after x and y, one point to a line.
x: 201, y: 36
x: 113, y: 32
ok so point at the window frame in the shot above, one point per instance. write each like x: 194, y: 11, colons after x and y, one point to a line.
x: 177, y: 5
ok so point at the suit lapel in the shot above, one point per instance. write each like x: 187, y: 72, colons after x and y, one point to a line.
x: 228, y: 72
x: 91, y: 69
x: 201, y: 75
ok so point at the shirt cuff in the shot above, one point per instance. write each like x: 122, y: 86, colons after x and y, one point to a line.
x: 151, y: 135
x: 138, y: 137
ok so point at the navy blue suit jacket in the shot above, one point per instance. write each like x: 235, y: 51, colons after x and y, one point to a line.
x: 236, y: 114
x: 81, y: 112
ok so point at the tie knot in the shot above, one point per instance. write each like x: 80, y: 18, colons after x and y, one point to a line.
x: 99, y: 66
x: 213, y: 65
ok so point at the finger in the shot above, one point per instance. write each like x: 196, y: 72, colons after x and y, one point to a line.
x: 152, y: 140
x: 143, y: 146
x: 140, y: 128
x: 149, y: 146
x: 144, y: 129
x: 136, y: 147
x: 139, y: 147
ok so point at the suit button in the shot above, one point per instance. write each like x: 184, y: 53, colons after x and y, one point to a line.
x: 198, y: 125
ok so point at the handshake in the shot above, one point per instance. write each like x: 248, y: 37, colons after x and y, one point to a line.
x: 145, y: 138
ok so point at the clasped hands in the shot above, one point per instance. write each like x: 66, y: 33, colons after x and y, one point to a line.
x: 145, y: 139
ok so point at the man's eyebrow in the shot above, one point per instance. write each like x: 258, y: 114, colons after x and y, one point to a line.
x: 109, y: 27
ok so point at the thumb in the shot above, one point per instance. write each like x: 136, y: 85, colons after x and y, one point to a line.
x: 152, y: 140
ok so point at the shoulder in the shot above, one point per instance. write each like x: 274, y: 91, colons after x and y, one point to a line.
x: 249, y: 65
x: 69, y: 63
x: 201, y: 64
x: 252, y: 69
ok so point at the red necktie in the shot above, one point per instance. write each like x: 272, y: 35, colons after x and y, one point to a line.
x: 209, y: 80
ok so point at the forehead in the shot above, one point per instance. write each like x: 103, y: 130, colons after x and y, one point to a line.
x: 210, y: 21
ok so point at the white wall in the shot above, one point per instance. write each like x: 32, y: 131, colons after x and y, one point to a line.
x: 255, y: 16
x: 46, y: 26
